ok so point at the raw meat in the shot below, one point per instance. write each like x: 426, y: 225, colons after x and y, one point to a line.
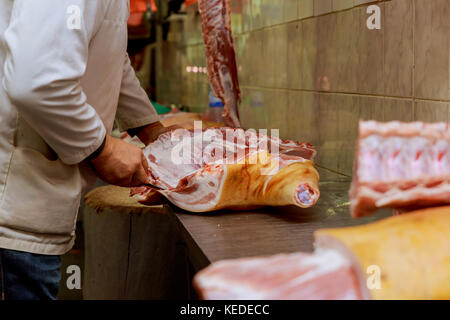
x: 298, y: 276
x: 401, y: 257
x: 211, y: 169
x: 400, y: 165
x: 220, y: 56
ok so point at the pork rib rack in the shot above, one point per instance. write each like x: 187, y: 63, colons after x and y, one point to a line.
x: 400, y: 165
x: 220, y: 56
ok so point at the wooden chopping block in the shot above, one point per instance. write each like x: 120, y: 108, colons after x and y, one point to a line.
x: 131, y: 250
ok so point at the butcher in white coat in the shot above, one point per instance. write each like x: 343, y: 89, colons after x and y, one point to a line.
x: 65, y: 76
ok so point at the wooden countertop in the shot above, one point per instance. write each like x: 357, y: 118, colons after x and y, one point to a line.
x: 212, y: 237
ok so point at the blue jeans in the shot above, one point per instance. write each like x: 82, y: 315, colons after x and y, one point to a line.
x: 28, y: 276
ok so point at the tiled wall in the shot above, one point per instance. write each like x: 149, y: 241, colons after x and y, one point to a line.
x: 312, y: 67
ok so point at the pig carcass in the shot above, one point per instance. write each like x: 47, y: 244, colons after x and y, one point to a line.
x: 400, y: 165
x: 217, y: 168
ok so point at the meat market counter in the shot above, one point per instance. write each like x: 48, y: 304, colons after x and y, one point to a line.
x: 268, y: 231
x: 142, y: 252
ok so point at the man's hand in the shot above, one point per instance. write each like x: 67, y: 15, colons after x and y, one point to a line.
x: 121, y: 163
x: 151, y: 132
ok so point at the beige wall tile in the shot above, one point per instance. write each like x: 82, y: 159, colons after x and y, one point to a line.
x: 267, y: 63
x: 195, y: 101
x: 398, y: 110
x: 369, y: 48
x: 327, y: 176
x: 315, y: 78
x: 369, y: 108
x: 430, y: 111
x: 346, y: 56
x: 253, y: 107
x: 193, y: 26
x: 190, y: 80
x: 243, y: 58
x: 246, y: 15
x: 305, y: 9
x: 197, y: 94
x: 326, y: 64
x: 326, y: 117
x: 272, y: 12
x: 398, y: 48
x: 256, y: 18
x: 304, y: 121
x: 347, y: 122
x: 279, y: 57
x: 432, y: 28
x: 244, y: 108
x: 239, y: 45
x: 277, y: 116
x: 352, y: 109
x: 362, y: 108
x: 309, y: 56
x: 336, y: 57
x: 296, y: 116
x: 256, y: 57
x: 294, y: 55
x: 264, y: 113
x: 345, y: 157
x: 359, y: 2
x: 322, y: 7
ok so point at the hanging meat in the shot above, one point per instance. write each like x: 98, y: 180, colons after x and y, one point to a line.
x: 401, y: 257
x: 216, y: 168
x: 220, y: 56
x: 400, y: 165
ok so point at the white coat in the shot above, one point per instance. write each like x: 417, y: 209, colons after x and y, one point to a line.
x: 64, y: 75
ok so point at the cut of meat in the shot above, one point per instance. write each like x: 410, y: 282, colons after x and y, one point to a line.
x: 220, y: 56
x: 325, y: 275
x: 400, y: 165
x: 401, y: 257
x: 215, y: 168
